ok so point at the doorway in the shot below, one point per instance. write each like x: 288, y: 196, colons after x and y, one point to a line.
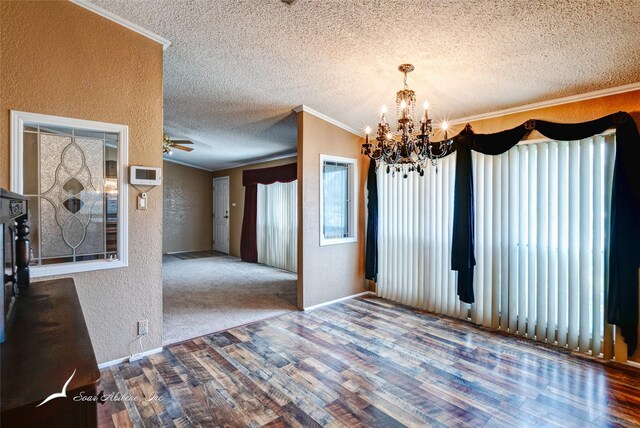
x: 221, y: 215
x: 211, y: 288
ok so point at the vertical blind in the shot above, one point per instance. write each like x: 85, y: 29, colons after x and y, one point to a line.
x: 541, y: 222
x: 277, y: 225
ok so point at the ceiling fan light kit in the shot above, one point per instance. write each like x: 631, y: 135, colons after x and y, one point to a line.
x: 168, y: 145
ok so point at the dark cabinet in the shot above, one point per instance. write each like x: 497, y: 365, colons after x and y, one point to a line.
x: 48, y: 341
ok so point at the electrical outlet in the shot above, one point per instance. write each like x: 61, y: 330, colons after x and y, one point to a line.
x: 143, y: 327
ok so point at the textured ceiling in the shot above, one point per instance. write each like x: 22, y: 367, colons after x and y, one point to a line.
x: 236, y: 68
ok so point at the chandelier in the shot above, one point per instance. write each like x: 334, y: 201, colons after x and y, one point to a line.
x: 404, y: 149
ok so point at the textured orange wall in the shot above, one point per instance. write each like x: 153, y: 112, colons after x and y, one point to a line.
x: 580, y: 111
x: 187, y: 201
x: 236, y: 195
x: 334, y: 271
x: 62, y: 60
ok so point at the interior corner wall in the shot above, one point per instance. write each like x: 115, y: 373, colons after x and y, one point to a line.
x: 61, y: 59
x: 236, y: 198
x: 579, y: 111
x: 330, y: 272
x: 187, y: 206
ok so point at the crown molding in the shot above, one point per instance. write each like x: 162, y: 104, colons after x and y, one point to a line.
x: 118, y: 20
x: 550, y: 103
x: 326, y: 118
x: 256, y: 161
x: 164, y: 158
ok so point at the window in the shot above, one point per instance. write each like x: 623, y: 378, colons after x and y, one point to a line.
x: 540, y: 229
x: 72, y: 173
x: 338, y: 199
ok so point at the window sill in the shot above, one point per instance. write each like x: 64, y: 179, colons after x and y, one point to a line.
x: 324, y: 242
x: 63, y: 269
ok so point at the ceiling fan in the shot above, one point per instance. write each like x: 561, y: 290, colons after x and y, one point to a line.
x: 168, y: 145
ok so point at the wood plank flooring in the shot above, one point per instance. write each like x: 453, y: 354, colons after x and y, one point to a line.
x: 368, y: 363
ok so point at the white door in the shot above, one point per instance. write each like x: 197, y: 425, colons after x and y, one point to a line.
x: 221, y: 214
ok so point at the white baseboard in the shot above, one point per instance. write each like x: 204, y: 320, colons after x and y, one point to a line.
x: 353, y: 296
x: 123, y: 359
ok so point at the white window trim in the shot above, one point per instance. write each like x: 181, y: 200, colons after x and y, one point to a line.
x: 18, y: 119
x: 354, y: 200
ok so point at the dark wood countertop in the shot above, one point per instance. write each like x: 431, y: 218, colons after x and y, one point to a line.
x: 47, y: 339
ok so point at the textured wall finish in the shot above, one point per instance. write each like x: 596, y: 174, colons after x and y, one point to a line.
x: 187, y: 222
x: 333, y: 271
x: 232, y: 90
x: 236, y: 195
x: 60, y: 59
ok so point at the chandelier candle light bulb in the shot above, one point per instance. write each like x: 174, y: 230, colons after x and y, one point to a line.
x: 406, y: 150
x: 445, y: 127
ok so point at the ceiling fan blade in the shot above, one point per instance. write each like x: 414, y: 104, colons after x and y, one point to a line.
x: 181, y: 142
x: 186, y: 149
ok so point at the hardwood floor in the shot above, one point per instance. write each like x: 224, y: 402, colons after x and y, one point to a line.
x: 368, y: 362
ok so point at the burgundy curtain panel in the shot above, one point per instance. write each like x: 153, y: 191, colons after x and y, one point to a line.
x: 250, y: 180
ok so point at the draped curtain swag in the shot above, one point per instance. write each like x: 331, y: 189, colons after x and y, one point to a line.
x: 250, y: 180
x: 623, y: 246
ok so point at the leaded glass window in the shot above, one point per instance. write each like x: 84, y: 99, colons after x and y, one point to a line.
x: 71, y: 177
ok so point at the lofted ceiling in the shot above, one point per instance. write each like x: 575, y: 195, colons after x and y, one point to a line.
x: 236, y: 68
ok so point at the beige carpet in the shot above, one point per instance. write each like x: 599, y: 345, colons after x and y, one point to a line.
x: 205, y: 295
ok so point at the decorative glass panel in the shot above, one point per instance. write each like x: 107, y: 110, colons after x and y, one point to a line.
x: 73, y: 193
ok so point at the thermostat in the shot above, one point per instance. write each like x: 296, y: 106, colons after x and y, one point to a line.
x: 145, y: 175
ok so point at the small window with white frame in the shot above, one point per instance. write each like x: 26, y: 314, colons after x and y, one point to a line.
x: 72, y: 172
x: 338, y: 200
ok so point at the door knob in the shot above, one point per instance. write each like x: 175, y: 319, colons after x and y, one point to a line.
x: 226, y: 216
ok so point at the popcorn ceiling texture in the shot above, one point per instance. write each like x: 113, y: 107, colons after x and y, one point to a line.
x: 62, y: 60
x: 237, y: 67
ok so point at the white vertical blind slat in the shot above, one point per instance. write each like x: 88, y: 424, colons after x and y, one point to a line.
x: 438, y: 240
x: 552, y: 239
x: 514, y: 227
x: 477, y: 307
x: 585, y: 245
x: 523, y: 210
x: 563, y: 243
x: 574, y: 243
x: 541, y: 284
x: 598, y: 248
x: 533, y: 237
x: 496, y: 220
x: 505, y: 220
